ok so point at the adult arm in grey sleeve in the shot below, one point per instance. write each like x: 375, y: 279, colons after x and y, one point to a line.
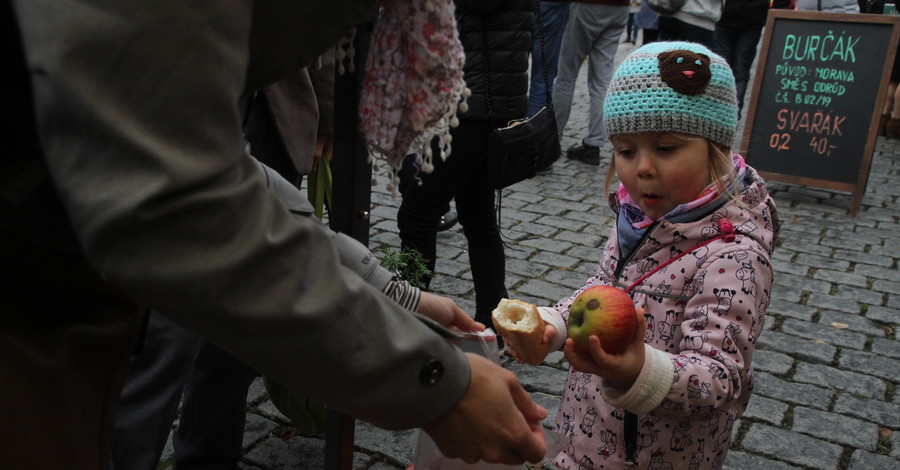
x: 137, y: 109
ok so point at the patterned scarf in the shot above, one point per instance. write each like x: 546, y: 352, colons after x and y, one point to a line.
x: 413, y: 82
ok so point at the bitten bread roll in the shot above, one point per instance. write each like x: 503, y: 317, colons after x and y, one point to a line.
x: 522, y: 326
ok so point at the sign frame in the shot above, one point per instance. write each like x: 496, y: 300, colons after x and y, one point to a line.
x: 775, y: 15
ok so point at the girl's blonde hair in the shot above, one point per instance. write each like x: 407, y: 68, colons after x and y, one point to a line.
x: 720, y: 168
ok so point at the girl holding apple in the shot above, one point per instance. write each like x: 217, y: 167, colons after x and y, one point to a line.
x: 691, y: 246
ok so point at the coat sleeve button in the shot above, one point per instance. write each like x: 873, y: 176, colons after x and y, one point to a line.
x: 431, y: 373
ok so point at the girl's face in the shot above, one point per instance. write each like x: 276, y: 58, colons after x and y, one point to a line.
x: 661, y: 170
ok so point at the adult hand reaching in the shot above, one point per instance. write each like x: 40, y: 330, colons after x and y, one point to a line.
x: 445, y: 311
x: 495, y: 421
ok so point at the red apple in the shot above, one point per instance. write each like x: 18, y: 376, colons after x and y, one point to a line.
x: 606, y: 312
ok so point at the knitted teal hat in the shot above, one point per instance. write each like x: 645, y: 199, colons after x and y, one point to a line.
x: 673, y: 87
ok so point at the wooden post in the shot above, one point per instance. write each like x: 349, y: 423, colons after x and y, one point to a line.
x: 349, y: 214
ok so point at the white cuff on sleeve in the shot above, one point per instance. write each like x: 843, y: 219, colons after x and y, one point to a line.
x: 651, y: 386
x: 552, y: 316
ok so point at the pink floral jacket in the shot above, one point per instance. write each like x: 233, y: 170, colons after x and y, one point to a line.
x: 704, y: 313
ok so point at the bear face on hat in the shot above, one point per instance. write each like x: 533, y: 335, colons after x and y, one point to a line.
x: 685, y: 71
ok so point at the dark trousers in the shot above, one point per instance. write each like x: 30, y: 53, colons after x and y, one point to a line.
x: 554, y: 16
x: 671, y: 29
x: 462, y: 176
x: 738, y: 47
x: 176, y: 365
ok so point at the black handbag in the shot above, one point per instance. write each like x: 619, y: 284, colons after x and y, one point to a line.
x: 524, y: 147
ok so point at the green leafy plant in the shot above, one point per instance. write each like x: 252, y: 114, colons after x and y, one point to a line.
x: 409, y: 265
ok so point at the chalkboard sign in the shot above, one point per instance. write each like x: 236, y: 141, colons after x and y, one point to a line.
x: 820, y: 83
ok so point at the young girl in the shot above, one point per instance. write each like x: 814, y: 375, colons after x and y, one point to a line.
x: 692, y: 244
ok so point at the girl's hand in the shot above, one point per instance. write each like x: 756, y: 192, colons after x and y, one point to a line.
x: 622, y: 369
x: 549, y: 333
x: 445, y: 311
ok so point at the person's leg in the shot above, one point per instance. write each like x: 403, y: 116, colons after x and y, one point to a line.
x: 554, y: 17
x: 477, y: 215
x: 650, y: 35
x: 744, y: 53
x: 210, y: 432
x: 628, y: 25
x: 423, y: 204
x: 153, y: 387
x: 601, y: 64
x: 576, y: 42
x: 671, y: 29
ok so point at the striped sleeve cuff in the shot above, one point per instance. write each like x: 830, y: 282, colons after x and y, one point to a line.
x: 404, y: 294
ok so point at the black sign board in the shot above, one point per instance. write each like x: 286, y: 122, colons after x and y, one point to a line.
x: 820, y: 83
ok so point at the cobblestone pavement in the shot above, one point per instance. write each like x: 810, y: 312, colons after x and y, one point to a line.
x: 828, y: 362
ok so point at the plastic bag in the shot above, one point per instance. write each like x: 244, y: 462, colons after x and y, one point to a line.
x: 428, y: 457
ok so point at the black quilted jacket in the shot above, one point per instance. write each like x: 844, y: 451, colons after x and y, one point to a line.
x: 498, y: 32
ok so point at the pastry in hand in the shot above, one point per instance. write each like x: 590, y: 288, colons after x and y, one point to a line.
x: 520, y: 324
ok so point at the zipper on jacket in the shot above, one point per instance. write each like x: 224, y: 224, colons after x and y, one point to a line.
x: 630, y: 419
x: 631, y: 434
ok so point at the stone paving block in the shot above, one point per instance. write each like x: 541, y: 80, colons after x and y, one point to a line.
x: 737, y: 460
x: 828, y: 301
x: 872, y: 364
x: 840, y: 277
x: 856, y: 323
x: 864, y: 261
x: 840, y: 379
x: 800, y: 243
x: 571, y: 279
x: 789, y: 267
x: 451, y: 286
x: 893, y: 301
x: 583, y: 240
x: 797, y: 347
x: 537, y: 232
x: 862, y: 460
x: 561, y: 223
x: 268, y: 410
x: 885, y: 286
x: 791, y: 392
x: 451, y: 267
x: 858, y: 294
x: 585, y: 253
x: 886, y: 347
x: 888, y: 250
x: 515, y: 251
x: 522, y: 196
x: 539, y: 379
x: 824, y: 332
x: 547, y: 244
x: 836, y: 428
x: 877, y: 411
x: 545, y: 290
x: 887, y: 315
x: 789, y: 282
x: 772, y: 362
x: 544, y: 210
x: 528, y: 269
x: 826, y: 263
x: 398, y: 445
x: 886, y: 271
x: 791, y: 309
x: 791, y: 446
x: 555, y: 260
x: 765, y: 409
